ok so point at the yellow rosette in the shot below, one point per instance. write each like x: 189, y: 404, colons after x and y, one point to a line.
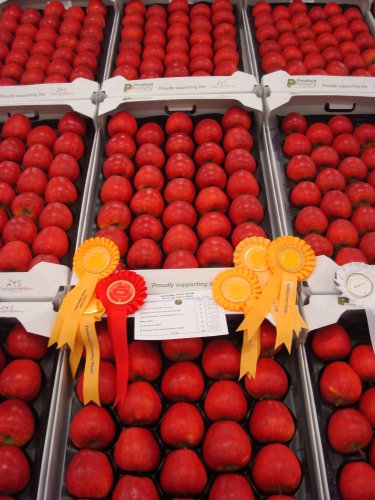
x: 252, y: 254
x: 237, y: 290
x: 290, y: 260
x: 95, y: 258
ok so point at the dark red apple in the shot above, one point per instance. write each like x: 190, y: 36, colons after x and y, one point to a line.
x: 182, y: 349
x: 358, y: 431
x: 366, y: 405
x: 137, y: 450
x: 22, y: 344
x: 182, y: 426
x: 231, y: 487
x: 128, y: 486
x: 271, y: 421
x: 22, y: 379
x: 142, y: 405
x: 357, y: 480
x: 362, y: 360
x: 270, y: 382
x: 92, y: 427
x: 339, y: 384
x: 182, y: 381
x: 225, y: 400
x: 14, y: 471
x: 145, y: 362
x: 17, y: 423
x: 221, y: 359
x: 331, y: 342
x: 183, y: 473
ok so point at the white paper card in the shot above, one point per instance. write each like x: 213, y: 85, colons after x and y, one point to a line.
x: 179, y: 315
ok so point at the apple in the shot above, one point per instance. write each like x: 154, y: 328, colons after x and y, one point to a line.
x: 368, y: 156
x: 226, y: 446
x: 213, y: 224
x: 133, y: 485
x: 358, y: 431
x: 339, y: 384
x: 180, y: 189
x: 107, y: 383
x: 367, y: 246
x: 271, y: 421
x: 221, y: 359
x: 215, y: 251
x: 9, y: 172
x: 209, y: 152
x: 144, y: 254
x: 305, y: 193
x: 182, y: 426
x: 239, y: 159
x: 142, y: 405
x: 276, y: 469
x: 331, y: 342
x: 346, y: 145
x: 117, y: 235
x: 301, y: 168
x: 122, y: 122
x: 244, y: 208
x: 246, y: 230
x: 146, y: 226
x: 136, y: 450
x: 353, y: 168
x: 270, y: 381
x: 92, y: 427
x: 325, y: 156
x: 14, y: 472
x: 236, y: 484
x: 210, y: 174
x: 22, y: 379
x: 179, y: 212
x: 242, y: 182
x: 180, y: 237
x: 89, y: 475
x: 293, y: 123
x: 3, y: 219
x: 17, y: 423
x: 64, y: 165
x: 22, y: 344
x: 116, y: 188
x: 360, y: 193
x: 366, y: 405
x: 61, y: 189
x: 357, y: 479
x: 183, y: 473
x: 182, y: 349
x: 362, y: 360
x: 119, y: 143
x: 342, y: 232
x: 207, y: 130
x: 145, y: 362
x: 312, y: 219
x: 235, y: 116
x: 151, y: 133
x: 225, y: 400
x: 114, y: 213
x: 182, y: 381
x: 7, y: 195
x: 51, y: 240
x: 118, y: 164
x: 364, y: 219
x: 336, y: 204
x: 347, y: 254
x: 179, y: 165
x: 20, y: 228
x: 15, y: 256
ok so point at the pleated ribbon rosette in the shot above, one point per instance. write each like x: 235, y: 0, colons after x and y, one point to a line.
x: 74, y: 325
x: 121, y: 294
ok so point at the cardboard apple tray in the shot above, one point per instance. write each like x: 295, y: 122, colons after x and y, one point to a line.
x: 105, y: 57
x: 44, y: 280
x: 215, y: 83
x: 62, y: 449
x: 35, y: 317
x: 317, y: 103
x: 362, y: 5
x: 353, y: 320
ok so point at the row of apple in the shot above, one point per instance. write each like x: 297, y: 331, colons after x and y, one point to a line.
x: 188, y: 427
x: 341, y: 362
x: 177, y: 39
x: 191, y: 188
x: 51, y: 45
x: 327, y: 39
x: 27, y: 371
x: 42, y: 172
x: 330, y: 165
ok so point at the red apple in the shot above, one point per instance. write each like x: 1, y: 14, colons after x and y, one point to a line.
x: 358, y: 431
x: 142, y: 405
x: 20, y: 228
x: 116, y: 188
x: 114, y: 213
x: 61, y: 189
x: 239, y: 159
x: 179, y: 189
x: 107, y: 383
x: 144, y: 254
x: 270, y: 381
x: 179, y: 212
x: 341, y: 232
x: 367, y: 405
x: 331, y: 342
x: 146, y: 226
x: 367, y: 246
x: 183, y: 473
x: 362, y: 360
x: 246, y: 230
x: 182, y: 426
x: 182, y: 381
x: 210, y: 174
x: 15, y: 256
x: 276, y: 469
x: 213, y: 224
x: 149, y: 201
x: 51, y: 240
x: 92, y: 427
x: 118, y: 164
x: 14, y: 472
x: 17, y: 423
x: 226, y: 446
x: 180, y: 237
x: 22, y: 379
x: 271, y: 421
x: 22, y: 344
x: 357, y: 479
x: 145, y: 362
x: 339, y: 384
x: 89, y: 475
x: 294, y: 123
x: 182, y: 349
x: 66, y: 166
x: 9, y: 173
x: 320, y: 244
x: 136, y: 450
x: 246, y: 207
x: 221, y: 359
x: 236, y: 484
x: 225, y: 400
x: 347, y: 254
x: 209, y: 152
x: 133, y: 485
x: 215, y: 251
x: 311, y: 220
x: 180, y: 165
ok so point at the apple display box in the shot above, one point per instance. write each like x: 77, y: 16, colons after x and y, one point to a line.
x: 337, y: 198
x: 240, y: 36
x: 335, y: 448
x: 26, y: 360
x: 158, y: 110
x: 262, y: 66
x: 68, y: 404
x: 44, y: 281
x: 100, y: 60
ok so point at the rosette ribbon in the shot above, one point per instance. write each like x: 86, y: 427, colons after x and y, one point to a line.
x: 94, y: 259
x: 121, y: 294
x: 87, y: 338
x: 290, y: 259
x: 237, y: 289
x: 356, y: 281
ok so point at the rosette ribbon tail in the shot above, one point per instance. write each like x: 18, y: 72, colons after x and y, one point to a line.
x: 66, y: 325
x: 118, y: 331
x: 285, y: 323
x: 262, y: 306
x: 249, y: 354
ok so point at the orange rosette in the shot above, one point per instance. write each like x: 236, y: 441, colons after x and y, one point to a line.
x: 94, y: 259
x: 237, y: 290
x: 252, y: 254
x: 290, y: 260
x: 121, y: 294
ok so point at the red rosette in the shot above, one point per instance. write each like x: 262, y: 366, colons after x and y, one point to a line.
x: 121, y: 293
